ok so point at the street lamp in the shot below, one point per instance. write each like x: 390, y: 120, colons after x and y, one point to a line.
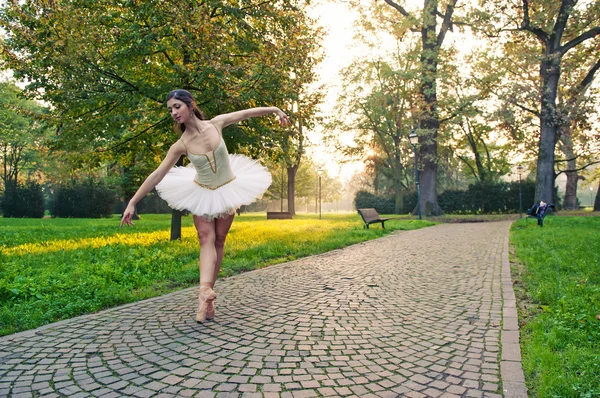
x: 592, y: 197
x: 319, y: 172
x: 414, y: 140
x: 520, y: 169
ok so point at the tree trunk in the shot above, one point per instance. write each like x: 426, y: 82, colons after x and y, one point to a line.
x: 566, y: 146
x: 570, y: 200
x: 291, y: 183
x: 176, y: 214
x: 429, y: 122
x: 282, y: 188
x: 544, y: 181
x: 597, y: 201
x: 399, y: 199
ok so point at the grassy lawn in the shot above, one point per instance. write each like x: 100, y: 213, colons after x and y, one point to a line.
x: 558, y: 290
x: 52, y: 269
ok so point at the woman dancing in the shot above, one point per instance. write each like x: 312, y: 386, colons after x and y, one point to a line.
x: 212, y: 190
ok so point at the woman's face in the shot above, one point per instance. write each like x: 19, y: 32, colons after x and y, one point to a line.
x: 179, y: 111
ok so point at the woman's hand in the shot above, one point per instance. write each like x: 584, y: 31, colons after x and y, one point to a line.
x: 283, y: 118
x: 128, y: 216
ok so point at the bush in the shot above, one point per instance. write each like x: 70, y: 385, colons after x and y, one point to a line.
x: 88, y: 199
x: 488, y: 198
x: 385, y: 205
x: 479, y: 198
x: 364, y: 199
x: 27, y: 201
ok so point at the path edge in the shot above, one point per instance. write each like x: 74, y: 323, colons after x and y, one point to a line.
x: 511, y: 369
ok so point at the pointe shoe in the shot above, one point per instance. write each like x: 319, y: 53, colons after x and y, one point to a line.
x: 210, y: 310
x: 205, y: 298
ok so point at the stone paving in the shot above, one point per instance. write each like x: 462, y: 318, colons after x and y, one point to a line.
x: 415, y: 314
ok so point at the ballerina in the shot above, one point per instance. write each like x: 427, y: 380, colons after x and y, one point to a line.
x: 212, y: 189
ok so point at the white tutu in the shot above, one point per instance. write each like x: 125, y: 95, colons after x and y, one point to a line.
x: 181, y: 192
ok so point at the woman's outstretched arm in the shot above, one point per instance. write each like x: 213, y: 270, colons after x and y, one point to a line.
x: 227, y: 119
x: 152, y: 180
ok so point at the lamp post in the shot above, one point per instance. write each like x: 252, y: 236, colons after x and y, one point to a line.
x: 414, y: 140
x: 520, y: 169
x: 592, y: 197
x: 319, y: 172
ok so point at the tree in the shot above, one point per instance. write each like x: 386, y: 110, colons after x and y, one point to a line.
x: 305, y: 54
x: 306, y: 183
x: 597, y: 199
x: 432, y: 39
x: 381, y: 98
x: 578, y: 140
x: 22, y: 133
x: 106, y: 67
x: 558, y: 29
x: 279, y: 185
x: 474, y: 140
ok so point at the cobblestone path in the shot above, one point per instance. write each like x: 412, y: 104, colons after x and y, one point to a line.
x: 414, y: 314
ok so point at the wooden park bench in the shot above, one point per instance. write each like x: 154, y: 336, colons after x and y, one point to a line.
x: 371, y: 216
x: 279, y: 215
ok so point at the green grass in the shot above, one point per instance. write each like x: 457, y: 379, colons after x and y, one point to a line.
x: 558, y: 290
x: 52, y: 269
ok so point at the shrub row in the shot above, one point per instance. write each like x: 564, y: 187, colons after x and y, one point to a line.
x: 89, y: 199
x: 488, y: 198
x: 364, y: 199
x: 481, y: 198
x: 25, y: 201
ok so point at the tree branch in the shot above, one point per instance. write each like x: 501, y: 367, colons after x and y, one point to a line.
x: 447, y: 23
x: 466, y: 162
x: 579, y: 39
x: 577, y: 91
x: 526, y: 24
x: 561, y: 21
x: 587, y: 80
x: 403, y: 12
x: 376, y: 130
x: 398, y: 8
x: 578, y: 169
x: 134, y: 136
x: 533, y: 111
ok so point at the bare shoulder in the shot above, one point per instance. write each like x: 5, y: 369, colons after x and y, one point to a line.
x: 220, y: 122
x: 177, y: 148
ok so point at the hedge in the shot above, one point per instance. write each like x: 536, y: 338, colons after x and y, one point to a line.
x: 480, y: 198
x: 87, y: 199
x: 26, y: 201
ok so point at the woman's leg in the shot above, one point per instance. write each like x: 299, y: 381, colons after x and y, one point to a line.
x: 208, y: 253
x: 222, y: 226
x: 208, y: 259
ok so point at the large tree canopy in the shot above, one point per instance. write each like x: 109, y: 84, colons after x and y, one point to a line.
x: 557, y: 37
x: 429, y: 22
x: 106, y: 66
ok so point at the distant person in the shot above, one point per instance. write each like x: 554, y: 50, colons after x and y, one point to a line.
x: 213, y: 189
x: 539, y: 211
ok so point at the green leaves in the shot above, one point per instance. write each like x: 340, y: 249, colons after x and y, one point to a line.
x: 106, y: 67
x: 23, y: 130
